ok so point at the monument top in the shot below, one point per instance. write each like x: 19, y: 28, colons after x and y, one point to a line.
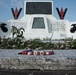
x: 38, y: 8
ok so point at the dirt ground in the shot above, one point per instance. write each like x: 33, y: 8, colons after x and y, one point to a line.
x: 36, y: 72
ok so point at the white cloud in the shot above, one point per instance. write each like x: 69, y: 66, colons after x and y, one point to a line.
x: 11, y: 3
x: 17, y: 3
x: 38, y: 0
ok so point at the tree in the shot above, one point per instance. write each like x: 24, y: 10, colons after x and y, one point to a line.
x: 18, y: 37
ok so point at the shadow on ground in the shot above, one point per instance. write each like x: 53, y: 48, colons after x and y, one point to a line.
x: 37, y: 72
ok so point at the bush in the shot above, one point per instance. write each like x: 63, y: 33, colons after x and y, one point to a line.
x: 18, y: 43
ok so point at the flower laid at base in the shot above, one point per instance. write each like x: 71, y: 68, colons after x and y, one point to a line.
x: 34, y: 52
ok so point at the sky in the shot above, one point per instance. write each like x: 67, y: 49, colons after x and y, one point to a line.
x: 6, y: 5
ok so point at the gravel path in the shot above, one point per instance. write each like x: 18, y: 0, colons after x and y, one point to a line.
x: 6, y: 53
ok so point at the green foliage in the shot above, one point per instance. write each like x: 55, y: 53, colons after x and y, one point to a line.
x: 17, y: 42
x: 13, y: 43
x: 73, y: 44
